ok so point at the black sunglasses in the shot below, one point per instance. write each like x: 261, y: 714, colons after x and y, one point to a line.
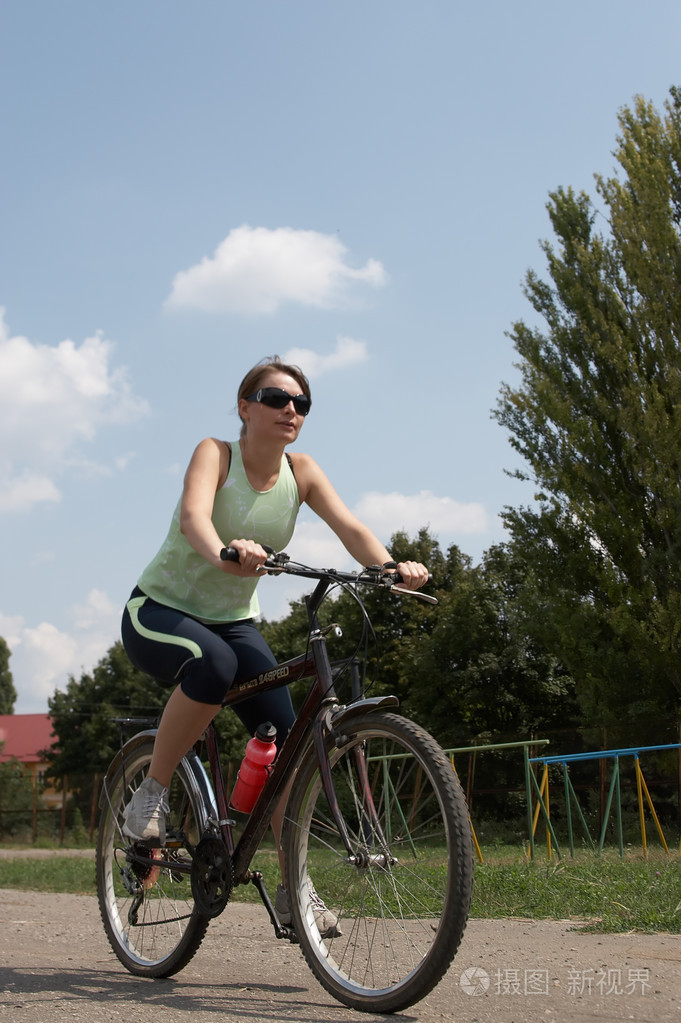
x: 277, y: 397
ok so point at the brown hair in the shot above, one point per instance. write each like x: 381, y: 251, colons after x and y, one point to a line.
x: 254, y: 378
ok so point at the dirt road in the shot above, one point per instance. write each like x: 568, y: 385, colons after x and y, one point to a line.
x: 56, y: 965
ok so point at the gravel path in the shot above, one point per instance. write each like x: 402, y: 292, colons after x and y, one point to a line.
x: 56, y: 965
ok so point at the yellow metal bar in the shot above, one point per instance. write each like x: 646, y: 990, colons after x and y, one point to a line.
x: 542, y: 786
x: 478, y: 850
x: 652, y: 808
x: 543, y: 794
x: 641, y: 815
x: 541, y: 789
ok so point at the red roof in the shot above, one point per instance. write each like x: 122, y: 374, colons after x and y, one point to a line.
x: 24, y: 736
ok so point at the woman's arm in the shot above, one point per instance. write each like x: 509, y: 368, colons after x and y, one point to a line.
x: 317, y: 491
x: 205, y: 474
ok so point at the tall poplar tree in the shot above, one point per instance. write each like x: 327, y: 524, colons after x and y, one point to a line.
x: 8, y: 693
x: 597, y: 419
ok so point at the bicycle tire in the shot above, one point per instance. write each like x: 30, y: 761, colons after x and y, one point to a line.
x: 403, y: 910
x: 158, y: 936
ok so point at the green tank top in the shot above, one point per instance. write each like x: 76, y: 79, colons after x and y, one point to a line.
x: 180, y: 577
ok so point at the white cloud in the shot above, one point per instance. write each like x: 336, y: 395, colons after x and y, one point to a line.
x: 43, y: 656
x: 48, y: 654
x: 19, y: 493
x: 348, y: 352
x: 11, y: 628
x: 53, y: 398
x: 42, y: 557
x: 123, y: 461
x: 314, y: 543
x: 255, y: 270
x: 387, y: 513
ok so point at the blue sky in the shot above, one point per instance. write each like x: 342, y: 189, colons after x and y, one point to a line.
x: 187, y: 188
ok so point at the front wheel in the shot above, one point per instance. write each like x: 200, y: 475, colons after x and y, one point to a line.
x: 145, y: 894
x: 402, y: 898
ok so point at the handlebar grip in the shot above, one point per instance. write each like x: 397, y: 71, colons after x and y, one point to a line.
x: 229, y: 554
x: 398, y: 578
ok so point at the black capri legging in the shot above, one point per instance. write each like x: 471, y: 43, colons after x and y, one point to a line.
x: 205, y: 660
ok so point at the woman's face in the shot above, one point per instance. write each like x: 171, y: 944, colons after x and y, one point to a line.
x: 263, y: 421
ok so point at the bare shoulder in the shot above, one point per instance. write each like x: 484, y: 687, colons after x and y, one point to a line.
x: 211, y: 455
x: 305, y: 463
x: 212, y: 444
x: 309, y: 475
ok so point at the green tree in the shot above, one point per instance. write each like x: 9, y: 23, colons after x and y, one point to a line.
x: 16, y: 797
x: 596, y: 419
x: 87, y: 736
x: 477, y: 675
x: 463, y: 669
x: 8, y: 693
x: 393, y: 620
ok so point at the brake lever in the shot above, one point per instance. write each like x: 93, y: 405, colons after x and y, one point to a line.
x: 385, y: 581
x: 425, y: 597
x: 276, y: 563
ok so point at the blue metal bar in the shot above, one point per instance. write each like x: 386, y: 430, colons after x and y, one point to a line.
x: 570, y: 758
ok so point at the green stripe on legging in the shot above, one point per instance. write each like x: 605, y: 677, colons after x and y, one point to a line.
x: 134, y: 606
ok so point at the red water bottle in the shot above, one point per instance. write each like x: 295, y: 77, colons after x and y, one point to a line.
x: 260, y: 752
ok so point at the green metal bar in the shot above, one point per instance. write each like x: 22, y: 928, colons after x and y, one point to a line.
x: 525, y: 745
x: 568, y: 811
x: 620, y: 836
x: 390, y: 788
x: 606, y: 815
x: 528, y: 798
x: 580, y: 814
x: 500, y: 745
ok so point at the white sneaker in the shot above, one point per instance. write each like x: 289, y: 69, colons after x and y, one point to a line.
x: 144, y: 816
x: 326, y: 921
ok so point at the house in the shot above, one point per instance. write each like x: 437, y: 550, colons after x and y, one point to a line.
x: 25, y: 737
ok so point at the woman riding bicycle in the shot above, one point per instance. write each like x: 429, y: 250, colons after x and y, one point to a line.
x: 190, y: 621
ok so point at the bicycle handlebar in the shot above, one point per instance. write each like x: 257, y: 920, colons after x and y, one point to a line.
x: 372, y: 575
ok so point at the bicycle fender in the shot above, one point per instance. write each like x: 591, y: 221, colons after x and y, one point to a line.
x: 342, y: 715
x: 119, y: 758
x: 196, y: 773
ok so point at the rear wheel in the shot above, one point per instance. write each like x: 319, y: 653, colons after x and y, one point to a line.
x: 402, y: 898
x: 145, y: 895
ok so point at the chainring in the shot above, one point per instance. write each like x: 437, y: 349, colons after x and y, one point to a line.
x: 212, y: 876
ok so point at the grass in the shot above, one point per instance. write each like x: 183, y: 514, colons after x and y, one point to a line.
x: 604, y: 893
x: 71, y: 876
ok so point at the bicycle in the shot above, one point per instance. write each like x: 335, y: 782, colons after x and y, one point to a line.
x: 376, y: 822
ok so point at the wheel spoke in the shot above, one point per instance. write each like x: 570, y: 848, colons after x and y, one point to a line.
x: 402, y: 905
x: 145, y: 895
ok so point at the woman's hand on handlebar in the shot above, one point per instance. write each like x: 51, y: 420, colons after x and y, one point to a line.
x: 413, y: 574
x: 250, y: 558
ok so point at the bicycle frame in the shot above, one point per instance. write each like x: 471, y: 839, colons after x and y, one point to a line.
x: 378, y: 865
x: 314, y: 718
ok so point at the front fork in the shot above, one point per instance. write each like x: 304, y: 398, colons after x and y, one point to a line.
x: 336, y: 723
